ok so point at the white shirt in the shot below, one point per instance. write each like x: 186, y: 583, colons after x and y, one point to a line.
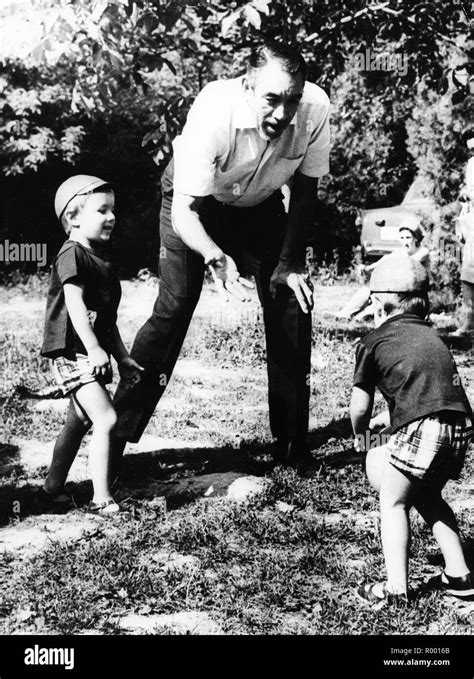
x: 221, y: 153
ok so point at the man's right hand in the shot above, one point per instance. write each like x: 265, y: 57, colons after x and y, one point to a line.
x: 227, y: 278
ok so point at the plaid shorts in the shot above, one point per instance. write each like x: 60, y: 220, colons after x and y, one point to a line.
x: 433, y: 447
x: 70, y: 374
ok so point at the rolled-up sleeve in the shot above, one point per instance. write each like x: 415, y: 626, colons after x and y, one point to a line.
x: 316, y: 160
x: 197, y: 148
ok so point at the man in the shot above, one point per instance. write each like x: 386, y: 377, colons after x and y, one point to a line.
x: 222, y: 208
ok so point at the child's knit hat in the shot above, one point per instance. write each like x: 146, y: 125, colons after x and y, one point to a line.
x: 398, y: 272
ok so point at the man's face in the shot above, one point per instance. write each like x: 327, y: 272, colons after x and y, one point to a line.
x: 274, y: 95
x: 470, y: 143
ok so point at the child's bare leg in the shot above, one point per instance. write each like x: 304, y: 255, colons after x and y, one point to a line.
x: 375, y: 462
x: 440, y: 518
x: 98, y: 406
x: 395, y: 500
x: 66, y: 447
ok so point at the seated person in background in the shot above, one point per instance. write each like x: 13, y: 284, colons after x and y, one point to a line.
x: 431, y: 426
x: 410, y: 235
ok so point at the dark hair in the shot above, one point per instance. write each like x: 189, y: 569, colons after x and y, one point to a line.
x: 407, y: 303
x: 468, y: 134
x: 289, y: 58
x: 416, y: 233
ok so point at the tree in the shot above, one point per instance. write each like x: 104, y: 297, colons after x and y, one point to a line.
x: 125, y: 45
x: 128, y: 70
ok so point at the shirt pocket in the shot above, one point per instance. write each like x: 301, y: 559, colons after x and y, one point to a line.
x: 236, y: 178
x: 283, y: 170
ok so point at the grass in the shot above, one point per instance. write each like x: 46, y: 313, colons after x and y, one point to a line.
x: 257, y: 568
x: 257, y: 571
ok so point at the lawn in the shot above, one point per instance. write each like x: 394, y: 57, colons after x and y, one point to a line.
x: 284, y: 562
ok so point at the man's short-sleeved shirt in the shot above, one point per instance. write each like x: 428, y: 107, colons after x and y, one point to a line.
x: 102, y: 292
x: 413, y: 368
x: 221, y: 153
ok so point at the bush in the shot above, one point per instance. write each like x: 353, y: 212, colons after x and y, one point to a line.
x: 44, y: 142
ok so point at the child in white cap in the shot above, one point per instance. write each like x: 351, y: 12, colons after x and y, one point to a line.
x: 431, y: 425
x: 81, y: 333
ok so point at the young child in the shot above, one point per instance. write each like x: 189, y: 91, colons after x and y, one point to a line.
x: 81, y: 333
x: 430, y: 426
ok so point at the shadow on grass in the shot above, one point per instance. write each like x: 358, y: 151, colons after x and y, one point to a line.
x: 148, y: 474
x: 177, y: 473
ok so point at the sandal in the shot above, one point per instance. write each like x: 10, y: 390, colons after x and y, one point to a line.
x: 377, y: 595
x: 107, y: 508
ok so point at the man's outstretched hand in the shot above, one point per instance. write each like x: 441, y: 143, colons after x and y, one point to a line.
x: 297, y: 280
x: 227, y: 278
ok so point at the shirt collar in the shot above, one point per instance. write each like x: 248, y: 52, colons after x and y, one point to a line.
x: 244, y: 117
x: 404, y: 317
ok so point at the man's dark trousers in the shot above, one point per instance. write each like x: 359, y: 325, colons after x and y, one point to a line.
x: 253, y: 237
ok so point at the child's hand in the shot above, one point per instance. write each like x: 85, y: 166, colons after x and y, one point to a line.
x: 381, y: 420
x: 130, y: 371
x: 100, y: 363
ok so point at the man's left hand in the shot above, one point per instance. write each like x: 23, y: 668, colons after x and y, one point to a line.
x: 130, y: 371
x: 296, y: 279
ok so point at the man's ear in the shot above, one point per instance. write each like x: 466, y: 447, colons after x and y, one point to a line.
x: 247, y: 83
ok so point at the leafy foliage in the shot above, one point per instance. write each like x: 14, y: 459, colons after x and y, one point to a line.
x: 36, y: 124
x: 114, y: 79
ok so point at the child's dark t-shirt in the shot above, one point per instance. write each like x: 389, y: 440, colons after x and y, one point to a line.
x: 413, y: 368
x: 102, y: 293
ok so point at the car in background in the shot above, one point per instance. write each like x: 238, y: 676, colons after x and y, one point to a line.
x: 379, y: 226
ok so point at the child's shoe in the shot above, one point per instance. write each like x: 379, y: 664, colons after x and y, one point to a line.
x: 461, y: 587
x: 106, y: 509
x: 377, y: 595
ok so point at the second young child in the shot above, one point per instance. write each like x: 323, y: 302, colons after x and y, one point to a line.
x: 431, y: 425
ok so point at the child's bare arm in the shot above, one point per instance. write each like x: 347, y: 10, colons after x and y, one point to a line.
x: 368, y: 268
x: 421, y: 255
x: 360, y: 412
x: 77, y: 310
